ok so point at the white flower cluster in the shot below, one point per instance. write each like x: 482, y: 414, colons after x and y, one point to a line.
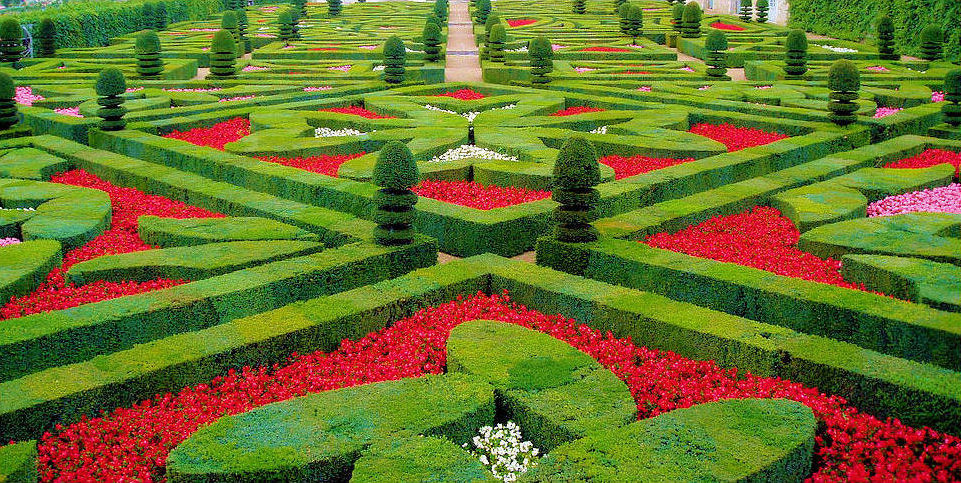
x: 467, y: 115
x: 600, y: 130
x: 504, y: 450
x: 326, y: 132
x: 841, y: 50
x: 522, y: 49
x: 468, y: 151
x: 18, y: 209
x: 378, y: 68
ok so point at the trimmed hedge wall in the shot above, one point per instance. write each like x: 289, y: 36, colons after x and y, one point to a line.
x: 18, y: 463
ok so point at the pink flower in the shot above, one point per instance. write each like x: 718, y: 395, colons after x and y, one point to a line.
x: 341, y: 68
x: 26, y: 97
x: 687, y: 68
x: 877, y: 68
x: 367, y: 47
x: 199, y: 89
x: 886, y: 111
x: 315, y: 89
x: 69, y: 111
x: 8, y: 241
x: 236, y: 98
x: 556, y: 47
x: 253, y: 68
x: 266, y: 36
x: 937, y: 96
x: 581, y: 70
x: 134, y: 89
x: 204, y: 30
x: 763, y: 87
x: 945, y: 199
x: 644, y: 88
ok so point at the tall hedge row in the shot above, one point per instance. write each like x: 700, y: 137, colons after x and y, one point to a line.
x: 857, y: 20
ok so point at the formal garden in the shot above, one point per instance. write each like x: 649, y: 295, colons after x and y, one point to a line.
x: 637, y: 241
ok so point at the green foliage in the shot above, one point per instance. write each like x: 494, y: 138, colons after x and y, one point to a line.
x: 622, y: 13
x: 18, y: 462
x: 844, y: 80
x: 230, y: 23
x: 334, y: 7
x: 111, y: 86
x: 223, y: 55
x: 762, y: 8
x: 541, y: 53
x: 11, y: 36
x: 716, y: 43
x: 441, y: 9
x: 576, y: 172
x: 147, y: 50
x: 149, y: 16
x: 395, y: 173
x: 174, y: 232
x: 229, y: 20
x: 635, y: 21
x: 886, y: 39
x: 677, y: 16
x: 747, y: 8
x: 111, y: 82
x: 148, y: 42
x: 932, y: 43
x: 48, y: 37
x: 160, y: 16
x: 579, y: 6
x: 952, y: 94
x: 796, y: 57
x: 395, y: 168
x: 496, y: 43
x: 395, y: 60
x: 432, y: 41
x: 245, y: 45
x: 691, y: 21
x: 617, y: 6
x: 482, y: 10
x: 285, y: 26
x: 8, y: 89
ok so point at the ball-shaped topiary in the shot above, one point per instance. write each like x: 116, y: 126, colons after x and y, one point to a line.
x: 886, y: 39
x: 691, y: 21
x: 395, y: 172
x: 482, y: 10
x: 844, y: 80
x: 576, y: 173
x: 677, y: 17
x: 432, y: 41
x: 952, y: 96
x: 111, y: 87
x: 496, y: 43
x: 48, y: 37
x: 579, y: 6
x: 635, y: 22
x: 285, y: 24
x: 796, y: 55
x: 395, y: 60
x: 747, y: 10
x: 932, y: 43
x: 8, y: 104
x: 160, y: 16
x: 11, y: 40
x: 762, y: 8
x: 147, y: 51
x: 716, y: 44
x: 334, y: 7
x: 223, y: 55
x: 541, y: 53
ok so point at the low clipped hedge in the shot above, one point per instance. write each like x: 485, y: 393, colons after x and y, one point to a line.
x: 24, y: 266
x: 18, y: 462
x: 172, y: 232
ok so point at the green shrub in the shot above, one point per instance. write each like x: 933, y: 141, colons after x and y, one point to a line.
x: 691, y: 21
x: 111, y: 87
x: 576, y: 172
x: 395, y: 172
x: 623, y: 22
x: 496, y: 43
x: 952, y: 94
x: 147, y: 51
x: 48, y: 37
x: 762, y: 7
x: 844, y: 80
x: 11, y: 40
x: 160, y: 16
x: 8, y: 106
x: 334, y: 7
x: 432, y: 40
x: 492, y: 20
x: 617, y: 6
x: 285, y: 26
x: 441, y: 9
x: 886, y: 39
x: 395, y: 60
x: 18, y: 462
x: 482, y: 10
x: 677, y: 16
x: 301, y: 7
x: 635, y: 22
x: 148, y: 15
x: 747, y: 10
x: 242, y: 24
x: 796, y: 57
x: 932, y: 43
x: 541, y: 53
x: 716, y: 44
x: 579, y: 6
x: 223, y: 55
x: 229, y: 23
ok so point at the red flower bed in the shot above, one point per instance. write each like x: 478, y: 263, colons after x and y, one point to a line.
x: 215, y: 136
x: 726, y: 26
x: 760, y: 238
x: 476, y: 195
x: 928, y: 158
x: 572, y: 111
x: 605, y: 49
x: 323, y: 164
x: 133, y: 443
x: 463, y: 94
x: 128, y: 204
x: 357, y: 111
x: 520, y: 22
x: 736, y: 138
x: 625, y: 167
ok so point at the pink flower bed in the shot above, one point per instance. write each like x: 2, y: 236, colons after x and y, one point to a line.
x: 316, y: 89
x: 945, y: 199
x: 204, y: 30
x: 133, y: 89
x: 581, y: 70
x: 69, y: 111
x: 341, y: 68
x: 198, y: 89
x: 236, y: 98
x: 367, y: 47
x: 605, y: 49
x: 252, y: 68
x: 877, y: 68
x: 937, y: 96
x: 25, y: 96
x: 8, y: 241
x: 520, y: 22
x: 886, y: 111
x: 688, y: 68
x: 556, y: 47
x: 763, y: 87
x: 644, y: 88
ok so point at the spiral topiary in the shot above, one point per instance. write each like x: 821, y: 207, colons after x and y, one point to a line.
x: 796, y: 57
x: 762, y: 7
x: 432, y: 41
x: 48, y: 37
x: 932, y: 43
x: 691, y: 21
x: 623, y: 22
x: 579, y: 7
x: 160, y: 16
x: 576, y: 173
x: 8, y: 104
x: 844, y: 80
x: 147, y: 51
x: 952, y: 94
x: 395, y: 172
x: 496, y: 43
x: 677, y: 17
x: 482, y: 10
x: 223, y: 55
x: 886, y: 39
x: 285, y: 32
x: 492, y: 20
x: 334, y: 7
x: 11, y: 40
x: 541, y: 53
x: 395, y: 61
x: 747, y: 10
x: 111, y: 87
x: 242, y: 23
x: 635, y: 22
x: 716, y: 45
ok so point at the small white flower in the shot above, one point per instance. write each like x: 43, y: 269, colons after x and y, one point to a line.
x: 326, y: 132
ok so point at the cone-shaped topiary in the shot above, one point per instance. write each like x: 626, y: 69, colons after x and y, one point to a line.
x: 541, y: 53
x: 441, y: 9
x: 395, y: 60
x: 8, y: 106
x: 579, y: 6
x: 242, y: 23
x: 48, y: 37
x: 886, y: 39
x: 111, y: 87
x: 334, y: 7
x: 147, y: 51
x: 576, y: 173
x: 300, y: 6
x: 434, y: 19
x: 844, y: 82
x: 496, y: 43
x: 747, y: 10
x: 11, y: 40
x: 432, y: 40
x: 223, y: 55
x: 285, y: 31
x: 952, y: 94
x: 395, y: 172
x: 623, y: 22
x: 492, y: 20
x: 228, y: 22
x: 482, y: 10
x: 677, y: 17
x: 691, y: 21
x: 762, y: 7
x: 716, y: 45
x: 617, y: 6
x: 160, y: 16
x: 635, y: 22
x: 796, y: 57
x: 932, y: 43
x: 148, y: 16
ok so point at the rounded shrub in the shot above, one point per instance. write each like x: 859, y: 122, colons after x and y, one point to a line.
x: 579, y: 6
x: 434, y: 19
x: 691, y: 21
x: 223, y: 55
x: 886, y: 39
x: 432, y: 41
x: 932, y: 43
x: 11, y: 40
x: 635, y: 22
x: 844, y: 80
x: 482, y: 10
x: 110, y: 88
x: 160, y: 16
x: 48, y: 37
x: 496, y: 43
x: 576, y: 173
x: 395, y: 60
x: 747, y: 10
x: 147, y: 51
x: 334, y: 7
x: 952, y: 94
x: 301, y: 8
x: 716, y: 44
x: 8, y: 104
x: 677, y: 16
x: 541, y: 53
x: 441, y: 9
x: 395, y: 172
x: 762, y: 8
x: 796, y: 55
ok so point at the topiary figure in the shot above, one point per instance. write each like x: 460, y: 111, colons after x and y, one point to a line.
x: 932, y: 43
x: 579, y: 7
x: 147, y: 51
x: 617, y: 6
x: 8, y: 106
x: 886, y: 39
x: 285, y: 32
x: 395, y: 172
x: 844, y: 82
x: 111, y: 87
x: 11, y: 40
x: 148, y: 17
x: 691, y: 21
x: 242, y: 24
x: 294, y: 23
x: 441, y: 9
x: 762, y: 7
x: 223, y: 55
x: 229, y: 23
x: 635, y: 22
x: 334, y: 7
x: 434, y: 19
x: 796, y: 57
x: 541, y: 53
x: 747, y: 10
x: 395, y: 60
x: 492, y: 20
x: 482, y: 11
x: 623, y: 22
x: 677, y: 17
x: 576, y: 173
x: 48, y: 37
x: 160, y: 16
x: 301, y: 6
x: 716, y: 45
x: 432, y: 40
x: 952, y: 94
x: 496, y: 43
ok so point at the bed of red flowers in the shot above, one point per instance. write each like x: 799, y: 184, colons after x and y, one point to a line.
x: 215, y: 136
x: 356, y: 111
x: 133, y: 443
x: 128, y: 204
x: 736, y: 138
x: 323, y: 164
x: 605, y: 49
x: 928, y: 158
x: 463, y: 94
x: 726, y: 26
x: 520, y: 22
x: 761, y: 238
x: 476, y: 195
x: 627, y: 166
x: 573, y: 111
